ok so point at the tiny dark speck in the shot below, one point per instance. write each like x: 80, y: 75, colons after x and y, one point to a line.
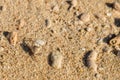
x: 1, y: 7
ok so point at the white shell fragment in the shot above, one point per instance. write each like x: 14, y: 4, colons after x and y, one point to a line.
x: 56, y: 60
x: 39, y: 43
x: 91, y: 61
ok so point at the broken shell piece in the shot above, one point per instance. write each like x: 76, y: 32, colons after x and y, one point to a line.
x: 56, y: 60
x: 13, y: 38
x: 91, y: 61
x: 117, y: 6
x: 85, y: 17
x: 39, y: 43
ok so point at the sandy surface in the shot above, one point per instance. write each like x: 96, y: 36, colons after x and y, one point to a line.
x: 77, y: 40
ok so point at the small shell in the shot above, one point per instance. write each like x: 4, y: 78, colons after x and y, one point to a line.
x: 13, y: 38
x: 56, y: 60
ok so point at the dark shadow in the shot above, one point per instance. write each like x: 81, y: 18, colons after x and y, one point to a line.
x: 6, y: 33
x: 69, y: 2
x: 46, y: 22
x: 117, y: 22
x: 108, y: 38
x: 49, y: 59
x: 79, y: 16
x: 1, y: 8
x: 26, y: 48
x: 110, y: 5
x: 58, y: 49
x: 116, y: 52
x: 85, y: 62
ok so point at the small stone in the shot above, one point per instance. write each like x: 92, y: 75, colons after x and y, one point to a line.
x: 85, y: 17
x: 89, y: 29
x: 56, y: 60
x: 1, y: 49
x: 74, y: 3
x: 117, y: 6
x: 22, y: 23
x: 36, y: 50
x: 56, y: 8
x: 109, y: 14
x: 13, y: 38
x: 83, y: 49
x: 91, y: 61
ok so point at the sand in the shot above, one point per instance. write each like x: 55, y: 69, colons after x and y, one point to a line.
x: 74, y: 29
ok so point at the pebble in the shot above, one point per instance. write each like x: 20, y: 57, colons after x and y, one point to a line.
x: 1, y: 49
x: 117, y: 6
x: 91, y: 61
x: 89, y: 29
x: 13, y: 38
x: 74, y: 3
x: 56, y: 59
x: 22, y: 23
x: 56, y: 8
x: 85, y: 17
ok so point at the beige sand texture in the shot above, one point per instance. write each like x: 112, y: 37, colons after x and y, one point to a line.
x: 59, y: 40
